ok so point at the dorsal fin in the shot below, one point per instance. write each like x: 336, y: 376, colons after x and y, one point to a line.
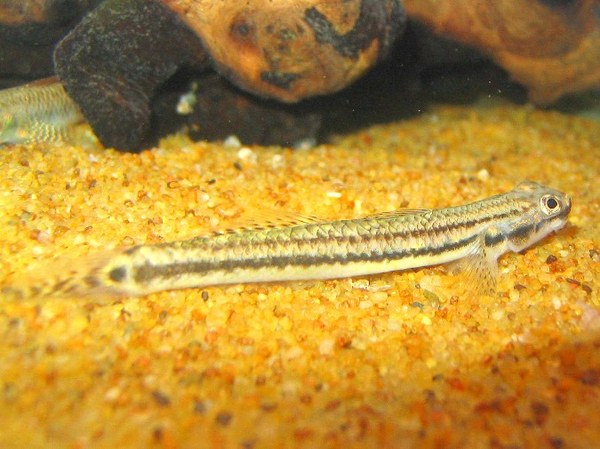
x: 42, y: 82
x: 398, y: 213
x: 268, y: 218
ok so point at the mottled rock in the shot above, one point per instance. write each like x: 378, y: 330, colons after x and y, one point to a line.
x: 552, y: 47
x: 114, y: 60
x: 291, y: 50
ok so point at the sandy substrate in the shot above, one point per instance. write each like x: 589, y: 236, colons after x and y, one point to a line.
x: 396, y: 360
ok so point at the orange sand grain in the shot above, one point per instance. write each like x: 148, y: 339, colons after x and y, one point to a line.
x: 395, y: 360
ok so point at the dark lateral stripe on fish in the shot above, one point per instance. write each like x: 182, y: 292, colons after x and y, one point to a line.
x: 148, y: 272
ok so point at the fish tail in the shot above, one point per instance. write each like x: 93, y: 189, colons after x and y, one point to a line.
x: 64, y: 278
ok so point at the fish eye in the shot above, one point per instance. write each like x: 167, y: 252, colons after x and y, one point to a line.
x: 118, y: 274
x: 550, y: 204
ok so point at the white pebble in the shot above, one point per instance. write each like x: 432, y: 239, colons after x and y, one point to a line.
x: 365, y: 304
x: 150, y: 381
x: 483, y: 175
x: 277, y: 161
x: 394, y: 325
x: 305, y: 144
x: 185, y: 105
x: 294, y: 352
x: 358, y: 207
x: 37, y: 250
x: 426, y: 320
x: 43, y: 237
x: 247, y: 155
x: 113, y: 394
x: 326, y: 347
x: 361, y: 284
x: 379, y: 296
x: 498, y: 315
x: 232, y: 142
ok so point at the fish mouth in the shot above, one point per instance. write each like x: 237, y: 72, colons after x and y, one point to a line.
x: 559, y: 223
x: 564, y: 216
x: 568, y: 208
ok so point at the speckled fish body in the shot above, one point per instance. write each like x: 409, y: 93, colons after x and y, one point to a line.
x: 41, y: 111
x: 475, y: 235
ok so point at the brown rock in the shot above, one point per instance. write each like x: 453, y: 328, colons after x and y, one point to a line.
x: 551, y: 47
x: 114, y: 61
x: 29, y: 30
x: 290, y: 50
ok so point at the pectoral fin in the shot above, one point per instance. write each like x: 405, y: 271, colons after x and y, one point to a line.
x: 479, y: 269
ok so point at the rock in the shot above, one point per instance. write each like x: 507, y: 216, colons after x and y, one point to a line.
x: 552, y: 47
x: 112, y: 63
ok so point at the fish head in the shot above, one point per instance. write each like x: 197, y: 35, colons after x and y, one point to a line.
x: 546, y: 210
